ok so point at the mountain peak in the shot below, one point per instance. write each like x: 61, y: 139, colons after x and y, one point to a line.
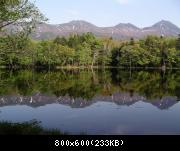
x: 165, y: 28
x: 80, y: 22
x: 164, y: 23
x: 120, y: 31
x: 126, y: 25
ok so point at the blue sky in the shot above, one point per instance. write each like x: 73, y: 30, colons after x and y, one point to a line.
x: 141, y: 13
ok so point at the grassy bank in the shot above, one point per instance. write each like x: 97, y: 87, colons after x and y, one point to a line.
x: 26, y: 128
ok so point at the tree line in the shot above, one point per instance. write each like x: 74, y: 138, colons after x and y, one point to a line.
x: 86, y: 50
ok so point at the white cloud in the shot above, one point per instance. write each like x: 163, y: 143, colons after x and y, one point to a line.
x: 123, y: 1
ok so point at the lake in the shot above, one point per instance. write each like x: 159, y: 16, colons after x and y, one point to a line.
x: 109, y: 101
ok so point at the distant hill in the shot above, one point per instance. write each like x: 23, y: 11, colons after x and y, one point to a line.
x: 120, y: 31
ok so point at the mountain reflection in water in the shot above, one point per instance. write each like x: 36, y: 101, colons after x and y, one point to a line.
x: 38, y: 100
x: 81, y: 88
x: 90, y: 99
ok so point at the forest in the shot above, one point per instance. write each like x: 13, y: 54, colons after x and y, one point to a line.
x: 18, y: 18
x: 86, y: 50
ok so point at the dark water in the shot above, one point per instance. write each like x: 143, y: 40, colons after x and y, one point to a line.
x: 93, y: 102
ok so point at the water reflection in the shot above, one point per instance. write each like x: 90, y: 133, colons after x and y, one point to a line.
x: 39, y: 99
x: 81, y: 88
x: 93, y: 101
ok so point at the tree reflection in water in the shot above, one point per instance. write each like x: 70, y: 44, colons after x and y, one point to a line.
x: 81, y: 88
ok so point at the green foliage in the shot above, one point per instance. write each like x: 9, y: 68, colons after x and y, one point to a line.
x: 86, y: 51
x: 26, y: 128
x: 51, y: 53
x: 149, y: 52
x: 15, y: 49
x: 22, y: 14
x: 178, y: 43
x: 17, y: 20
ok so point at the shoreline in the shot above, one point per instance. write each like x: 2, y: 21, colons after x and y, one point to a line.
x: 86, y: 67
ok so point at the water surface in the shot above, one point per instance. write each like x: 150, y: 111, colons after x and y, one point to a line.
x: 93, y: 101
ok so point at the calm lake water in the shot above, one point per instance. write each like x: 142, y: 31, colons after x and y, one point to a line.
x: 93, y: 102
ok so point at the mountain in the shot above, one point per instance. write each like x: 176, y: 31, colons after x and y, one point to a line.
x: 163, y: 27
x: 120, y: 31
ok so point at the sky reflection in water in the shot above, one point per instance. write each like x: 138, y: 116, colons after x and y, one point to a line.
x: 98, y: 102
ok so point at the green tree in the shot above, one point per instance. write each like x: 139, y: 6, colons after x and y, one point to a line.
x: 133, y: 56
x: 132, y: 42
x: 61, y: 40
x: 153, y: 46
x: 105, y: 53
x: 13, y: 47
x: 178, y: 43
x: 17, y: 20
x: 22, y: 14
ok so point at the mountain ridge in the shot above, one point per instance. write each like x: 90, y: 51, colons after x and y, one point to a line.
x: 119, y: 31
